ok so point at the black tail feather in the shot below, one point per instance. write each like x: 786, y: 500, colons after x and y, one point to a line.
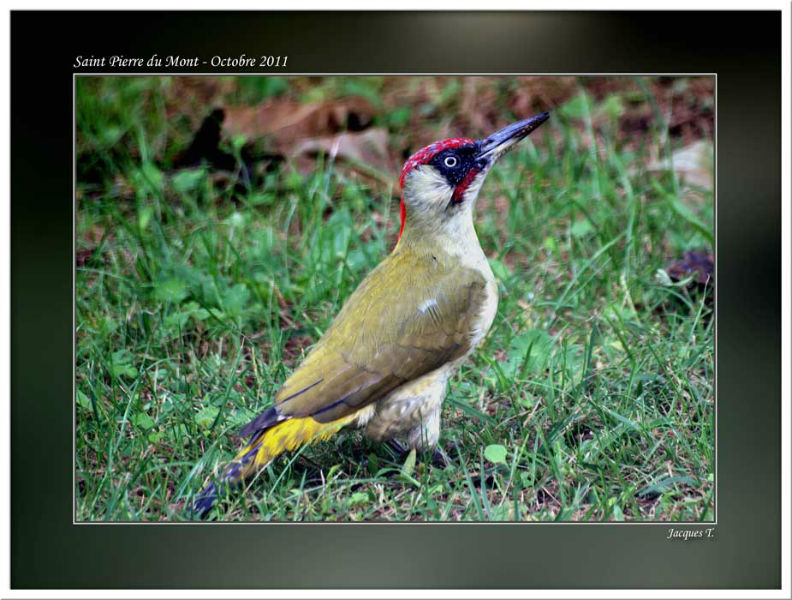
x: 265, y: 420
x: 205, y: 501
x: 232, y: 475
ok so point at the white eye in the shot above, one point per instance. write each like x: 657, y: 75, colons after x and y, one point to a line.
x: 450, y: 161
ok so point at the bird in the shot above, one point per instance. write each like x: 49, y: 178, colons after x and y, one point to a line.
x: 384, y: 363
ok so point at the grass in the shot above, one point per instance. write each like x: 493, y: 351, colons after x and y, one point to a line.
x: 591, y: 399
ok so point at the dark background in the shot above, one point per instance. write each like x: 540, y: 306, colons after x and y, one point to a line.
x: 744, y: 49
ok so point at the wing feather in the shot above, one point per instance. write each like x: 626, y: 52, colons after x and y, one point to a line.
x: 381, y: 339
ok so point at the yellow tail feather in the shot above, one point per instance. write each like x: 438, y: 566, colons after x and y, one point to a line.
x: 267, y: 445
x: 285, y: 436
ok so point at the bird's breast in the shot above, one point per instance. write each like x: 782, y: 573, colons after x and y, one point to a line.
x: 487, y: 313
x: 473, y: 258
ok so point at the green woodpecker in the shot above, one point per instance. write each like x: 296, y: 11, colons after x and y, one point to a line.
x: 384, y: 363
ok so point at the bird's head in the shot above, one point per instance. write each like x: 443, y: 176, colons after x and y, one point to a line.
x: 440, y: 183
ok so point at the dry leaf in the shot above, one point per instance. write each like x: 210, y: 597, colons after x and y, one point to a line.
x: 693, y: 164
x: 369, y: 148
x: 285, y: 122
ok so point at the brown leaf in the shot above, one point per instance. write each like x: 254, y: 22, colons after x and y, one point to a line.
x: 286, y: 122
x: 83, y: 255
x: 694, y: 262
x: 186, y: 95
x: 367, y: 148
x: 535, y: 94
x: 693, y: 163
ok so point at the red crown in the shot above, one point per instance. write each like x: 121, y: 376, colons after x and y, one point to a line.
x: 426, y: 154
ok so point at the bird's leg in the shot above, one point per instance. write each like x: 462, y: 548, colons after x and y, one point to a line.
x: 436, y: 459
x: 426, y: 433
x: 400, y: 449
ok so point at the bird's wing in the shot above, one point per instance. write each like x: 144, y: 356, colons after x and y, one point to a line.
x: 404, y: 320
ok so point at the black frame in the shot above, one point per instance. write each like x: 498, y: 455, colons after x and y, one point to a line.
x: 48, y: 551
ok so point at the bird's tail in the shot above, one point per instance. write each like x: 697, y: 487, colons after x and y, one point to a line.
x: 271, y: 436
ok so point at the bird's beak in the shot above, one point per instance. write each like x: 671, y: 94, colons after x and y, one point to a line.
x: 496, y: 145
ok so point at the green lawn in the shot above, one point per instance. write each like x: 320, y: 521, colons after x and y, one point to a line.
x: 591, y: 399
